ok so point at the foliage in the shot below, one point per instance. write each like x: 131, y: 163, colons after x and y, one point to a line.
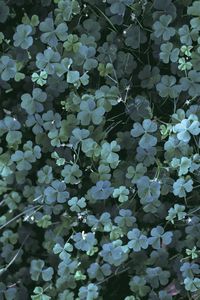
x: 99, y: 154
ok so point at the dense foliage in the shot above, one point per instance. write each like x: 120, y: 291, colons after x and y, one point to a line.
x: 99, y: 156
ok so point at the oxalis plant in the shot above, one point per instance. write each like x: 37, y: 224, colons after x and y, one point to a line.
x: 99, y: 152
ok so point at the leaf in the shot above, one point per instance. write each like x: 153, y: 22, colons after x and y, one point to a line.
x: 134, y: 37
x: 47, y: 274
x: 22, y: 36
x: 194, y: 10
x: 161, y: 28
x: 159, y: 237
x: 138, y: 241
x: 121, y: 193
x: 102, y: 190
x: 8, y: 68
x: 168, y: 87
x: 176, y: 211
x: 72, y: 76
x: 168, y: 54
x: 181, y: 186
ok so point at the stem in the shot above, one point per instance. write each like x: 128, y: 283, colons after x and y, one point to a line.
x: 14, y: 258
x: 19, y: 215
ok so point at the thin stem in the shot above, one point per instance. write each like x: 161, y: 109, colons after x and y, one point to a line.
x: 14, y: 258
x: 19, y: 215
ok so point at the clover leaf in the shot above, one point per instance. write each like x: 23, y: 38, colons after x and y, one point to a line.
x: 135, y: 173
x: 39, y: 294
x: 181, y: 186
x: 52, y: 35
x: 12, y: 200
x: 191, y: 83
x: 72, y: 43
x: 189, y: 269
x: 37, y: 269
x: 139, y: 108
x: 77, y: 204
x: 108, y: 154
x: 148, y: 190
x: 138, y: 285
x: 178, y: 211
x: 4, y: 13
x: 161, y: 28
x: 146, y: 156
x: 125, y: 219
x: 22, y: 36
x: 149, y: 76
x: 119, y: 6
x: 90, y: 113
x: 121, y: 193
x: 135, y: 36
x: 89, y: 292
x: 78, y: 135
x: 5, y: 164
x: 187, y: 36
x: 182, y: 164
x: 39, y: 78
x: 8, y: 68
x: 44, y: 221
x: 184, y: 64
x: 90, y: 148
x: 11, y: 126
x: 63, y: 251
x: 84, y: 241
x: 47, y: 61
x: 24, y: 158
x: 33, y: 103
x: 168, y: 54
x: 147, y: 140
x: 102, y: 224
x: 63, y: 67
x: 71, y: 174
x: 36, y: 122
x: 95, y: 271
x: 186, y: 128
x: 168, y: 87
x: 56, y: 192
x: 102, y: 190
x: 192, y: 285
x: 73, y: 76
x: 194, y: 9
x: 114, y: 253
x: 159, y: 237
x: 33, y: 21
x: 137, y: 241
x: 102, y: 174
x: 156, y: 276
x: 66, y: 10
x: 107, y: 97
x: 86, y: 55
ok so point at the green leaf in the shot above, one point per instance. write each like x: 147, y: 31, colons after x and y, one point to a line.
x: 72, y: 76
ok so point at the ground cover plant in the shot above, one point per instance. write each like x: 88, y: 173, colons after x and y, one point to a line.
x: 99, y: 152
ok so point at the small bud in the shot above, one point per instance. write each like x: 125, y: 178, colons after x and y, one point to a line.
x: 84, y: 235
x: 119, y: 100
x: 133, y: 16
x: 187, y: 102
